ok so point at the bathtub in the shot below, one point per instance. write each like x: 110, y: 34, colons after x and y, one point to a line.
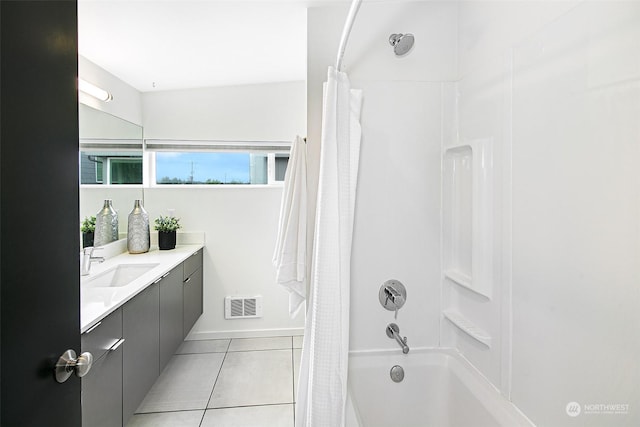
x: 440, y: 389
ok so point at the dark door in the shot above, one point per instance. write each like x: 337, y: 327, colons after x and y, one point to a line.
x: 39, y: 234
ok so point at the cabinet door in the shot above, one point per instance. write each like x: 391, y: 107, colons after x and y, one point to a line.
x: 192, y: 300
x: 171, y: 314
x: 101, y: 337
x: 102, y: 391
x: 140, y: 367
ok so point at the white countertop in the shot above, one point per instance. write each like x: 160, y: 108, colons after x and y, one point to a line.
x: 98, y: 303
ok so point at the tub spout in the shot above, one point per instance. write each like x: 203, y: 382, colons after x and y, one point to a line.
x: 393, y: 331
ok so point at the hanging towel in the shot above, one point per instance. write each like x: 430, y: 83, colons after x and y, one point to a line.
x: 322, y: 385
x: 289, y: 257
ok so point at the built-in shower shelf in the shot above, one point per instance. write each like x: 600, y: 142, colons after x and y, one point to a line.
x: 468, y: 327
x: 459, y: 278
x: 463, y: 280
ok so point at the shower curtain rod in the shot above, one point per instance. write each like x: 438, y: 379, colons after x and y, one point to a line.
x: 353, y: 11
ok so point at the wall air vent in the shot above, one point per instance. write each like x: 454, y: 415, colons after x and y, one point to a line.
x: 242, y: 307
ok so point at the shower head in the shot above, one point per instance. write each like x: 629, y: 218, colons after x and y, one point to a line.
x: 402, y: 43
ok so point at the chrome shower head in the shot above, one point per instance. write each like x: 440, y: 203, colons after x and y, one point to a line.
x: 402, y: 43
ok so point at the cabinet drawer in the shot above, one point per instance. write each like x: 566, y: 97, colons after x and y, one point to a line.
x: 192, y: 263
x: 103, y: 335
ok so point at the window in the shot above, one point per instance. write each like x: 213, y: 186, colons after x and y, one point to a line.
x: 218, y: 162
x: 110, y: 167
x: 125, y: 170
x: 164, y: 162
x: 219, y: 168
x: 281, y: 162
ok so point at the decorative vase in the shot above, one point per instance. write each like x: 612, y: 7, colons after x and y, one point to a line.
x: 138, y: 230
x: 87, y: 239
x: 106, y: 225
x: 166, y: 240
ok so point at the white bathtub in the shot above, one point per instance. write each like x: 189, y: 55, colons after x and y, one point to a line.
x: 440, y: 389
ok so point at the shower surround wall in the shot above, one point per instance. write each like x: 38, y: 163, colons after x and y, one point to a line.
x: 555, y: 88
x: 397, y: 218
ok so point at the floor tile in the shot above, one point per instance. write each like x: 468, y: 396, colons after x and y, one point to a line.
x: 254, y: 378
x: 186, y: 383
x: 296, y: 368
x: 250, y: 416
x: 204, y: 346
x: 250, y: 344
x: 167, y: 419
x: 297, y: 341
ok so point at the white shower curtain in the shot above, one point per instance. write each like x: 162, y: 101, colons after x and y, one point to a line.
x: 322, y: 385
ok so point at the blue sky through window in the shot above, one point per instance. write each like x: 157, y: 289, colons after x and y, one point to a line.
x: 222, y: 167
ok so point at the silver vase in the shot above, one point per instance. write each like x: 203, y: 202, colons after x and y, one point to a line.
x: 106, y: 225
x: 138, y: 237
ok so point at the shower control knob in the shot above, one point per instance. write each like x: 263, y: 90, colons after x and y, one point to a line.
x: 392, y: 295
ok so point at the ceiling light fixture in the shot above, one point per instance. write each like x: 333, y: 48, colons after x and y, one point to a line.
x: 93, y: 90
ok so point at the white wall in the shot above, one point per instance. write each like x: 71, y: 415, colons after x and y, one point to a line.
x: 260, y: 112
x: 397, y: 223
x: 240, y: 227
x: 126, y: 102
x: 240, y: 224
x: 557, y: 85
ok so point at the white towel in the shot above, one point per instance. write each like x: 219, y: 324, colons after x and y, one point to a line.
x: 290, y: 255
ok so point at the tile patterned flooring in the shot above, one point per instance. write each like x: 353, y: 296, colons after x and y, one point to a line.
x: 225, y: 383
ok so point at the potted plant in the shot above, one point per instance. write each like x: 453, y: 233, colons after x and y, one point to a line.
x: 88, y: 228
x: 167, y: 226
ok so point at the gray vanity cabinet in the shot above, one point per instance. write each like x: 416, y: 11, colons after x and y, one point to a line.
x: 171, y: 314
x: 141, y: 361
x: 102, y: 387
x: 133, y: 344
x: 102, y: 391
x: 192, y: 290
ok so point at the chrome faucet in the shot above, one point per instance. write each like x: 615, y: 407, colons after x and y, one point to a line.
x: 87, y: 259
x: 392, y: 296
x: 393, y: 331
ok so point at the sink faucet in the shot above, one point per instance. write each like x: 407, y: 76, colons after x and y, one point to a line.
x: 87, y: 259
x: 393, y: 331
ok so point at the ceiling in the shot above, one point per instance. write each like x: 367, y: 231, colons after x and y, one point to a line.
x: 176, y: 44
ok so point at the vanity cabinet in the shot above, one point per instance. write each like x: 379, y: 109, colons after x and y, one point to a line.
x: 102, y: 391
x: 141, y: 361
x: 171, y: 314
x: 102, y: 388
x: 192, y: 291
x: 132, y: 345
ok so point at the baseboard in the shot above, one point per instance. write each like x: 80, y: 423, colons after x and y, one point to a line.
x: 252, y: 333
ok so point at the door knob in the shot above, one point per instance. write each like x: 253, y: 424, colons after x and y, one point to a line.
x: 68, y: 363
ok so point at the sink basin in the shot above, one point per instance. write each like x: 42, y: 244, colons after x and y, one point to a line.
x: 120, y: 275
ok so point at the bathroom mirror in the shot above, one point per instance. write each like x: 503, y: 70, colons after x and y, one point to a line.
x: 110, y: 155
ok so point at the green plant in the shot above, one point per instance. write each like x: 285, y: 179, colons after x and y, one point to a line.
x: 167, y: 223
x: 88, y: 225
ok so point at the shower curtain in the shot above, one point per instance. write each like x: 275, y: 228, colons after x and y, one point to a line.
x: 322, y: 385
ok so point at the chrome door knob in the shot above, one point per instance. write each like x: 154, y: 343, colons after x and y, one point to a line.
x: 68, y: 363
